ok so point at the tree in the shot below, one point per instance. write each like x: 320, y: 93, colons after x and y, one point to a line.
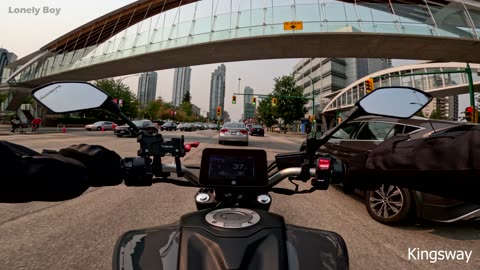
x: 266, y: 112
x: 118, y: 90
x: 435, y: 115
x: 3, y: 97
x: 288, y: 109
x: 153, y: 110
x: 186, y: 107
x: 187, y: 97
x: 420, y: 114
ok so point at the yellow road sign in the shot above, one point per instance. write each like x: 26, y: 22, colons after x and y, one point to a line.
x: 293, y: 25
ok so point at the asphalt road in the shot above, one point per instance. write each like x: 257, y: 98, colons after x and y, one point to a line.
x: 80, y: 233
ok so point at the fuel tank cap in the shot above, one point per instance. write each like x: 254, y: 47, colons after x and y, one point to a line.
x: 233, y: 218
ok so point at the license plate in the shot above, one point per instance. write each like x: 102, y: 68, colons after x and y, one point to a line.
x: 233, y: 133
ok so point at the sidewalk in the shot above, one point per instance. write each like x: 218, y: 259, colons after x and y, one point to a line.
x: 289, y: 134
x: 5, y: 130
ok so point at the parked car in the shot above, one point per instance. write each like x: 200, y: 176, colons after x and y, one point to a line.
x: 257, y: 130
x: 107, y: 125
x: 391, y: 204
x: 169, y: 126
x: 145, y: 124
x: 180, y: 125
x: 198, y: 126
x: 188, y: 127
x: 233, y: 132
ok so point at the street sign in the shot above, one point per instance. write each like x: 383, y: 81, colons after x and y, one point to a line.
x: 298, y: 25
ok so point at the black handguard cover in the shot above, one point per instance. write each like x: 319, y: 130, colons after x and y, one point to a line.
x: 103, y: 165
x: 30, y: 176
x: 445, y: 164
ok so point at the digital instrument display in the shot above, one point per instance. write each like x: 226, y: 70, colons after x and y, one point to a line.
x: 227, y: 167
x: 233, y: 167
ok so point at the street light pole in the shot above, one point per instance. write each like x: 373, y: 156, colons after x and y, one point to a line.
x: 121, y: 80
x: 313, y: 101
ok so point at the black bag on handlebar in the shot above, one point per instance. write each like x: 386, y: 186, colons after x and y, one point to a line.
x: 446, y: 163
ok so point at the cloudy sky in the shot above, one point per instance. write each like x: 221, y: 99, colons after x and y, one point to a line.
x: 25, y: 33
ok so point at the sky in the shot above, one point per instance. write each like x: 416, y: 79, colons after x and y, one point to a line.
x: 23, y: 34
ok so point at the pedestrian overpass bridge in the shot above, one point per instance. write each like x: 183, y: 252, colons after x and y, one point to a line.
x: 438, y: 85
x: 160, y: 34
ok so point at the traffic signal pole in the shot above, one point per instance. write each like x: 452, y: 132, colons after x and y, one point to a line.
x: 468, y: 70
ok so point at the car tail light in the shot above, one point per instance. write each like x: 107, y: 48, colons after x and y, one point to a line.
x: 223, y: 130
x: 243, y: 131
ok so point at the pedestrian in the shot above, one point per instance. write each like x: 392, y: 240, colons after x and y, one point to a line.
x: 15, y: 123
x: 36, y: 124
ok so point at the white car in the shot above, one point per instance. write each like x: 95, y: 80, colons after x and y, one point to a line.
x: 107, y: 125
x: 233, y: 132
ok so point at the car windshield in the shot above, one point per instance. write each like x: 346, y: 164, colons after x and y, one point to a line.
x: 138, y: 123
x: 257, y: 126
x: 234, y: 125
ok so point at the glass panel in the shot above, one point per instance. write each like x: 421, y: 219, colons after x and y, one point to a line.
x: 307, y: 13
x: 420, y: 82
x: 257, y: 17
x: 452, y: 19
x: 452, y: 79
x: 183, y: 29
x: 142, y: 39
x: 335, y: 12
x: 202, y: 26
x: 222, y: 22
x: 282, y: 14
x: 395, y: 81
x: 407, y: 81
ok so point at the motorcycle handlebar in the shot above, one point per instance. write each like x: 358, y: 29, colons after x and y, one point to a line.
x: 272, y: 180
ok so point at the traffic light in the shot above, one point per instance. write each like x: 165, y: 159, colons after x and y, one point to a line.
x: 254, y: 100
x: 219, y: 111
x: 369, y: 87
x: 234, y: 99
x: 309, y: 118
x: 469, y: 114
x: 313, y: 118
x: 274, y: 101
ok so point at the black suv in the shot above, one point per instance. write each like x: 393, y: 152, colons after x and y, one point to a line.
x: 146, y: 125
x: 169, y: 126
x: 391, y: 204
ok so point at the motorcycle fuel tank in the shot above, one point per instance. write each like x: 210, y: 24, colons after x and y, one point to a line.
x: 231, y: 238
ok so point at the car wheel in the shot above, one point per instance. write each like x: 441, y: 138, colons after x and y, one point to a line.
x: 99, y: 128
x: 220, y: 142
x: 389, y: 204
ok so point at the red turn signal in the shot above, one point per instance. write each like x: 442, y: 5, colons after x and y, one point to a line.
x: 189, y: 146
x: 323, y: 164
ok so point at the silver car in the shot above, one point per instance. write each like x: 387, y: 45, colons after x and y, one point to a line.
x: 233, y: 132
x: 107, y: 125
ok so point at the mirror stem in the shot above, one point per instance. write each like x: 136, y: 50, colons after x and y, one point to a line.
x: 113, y: 107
